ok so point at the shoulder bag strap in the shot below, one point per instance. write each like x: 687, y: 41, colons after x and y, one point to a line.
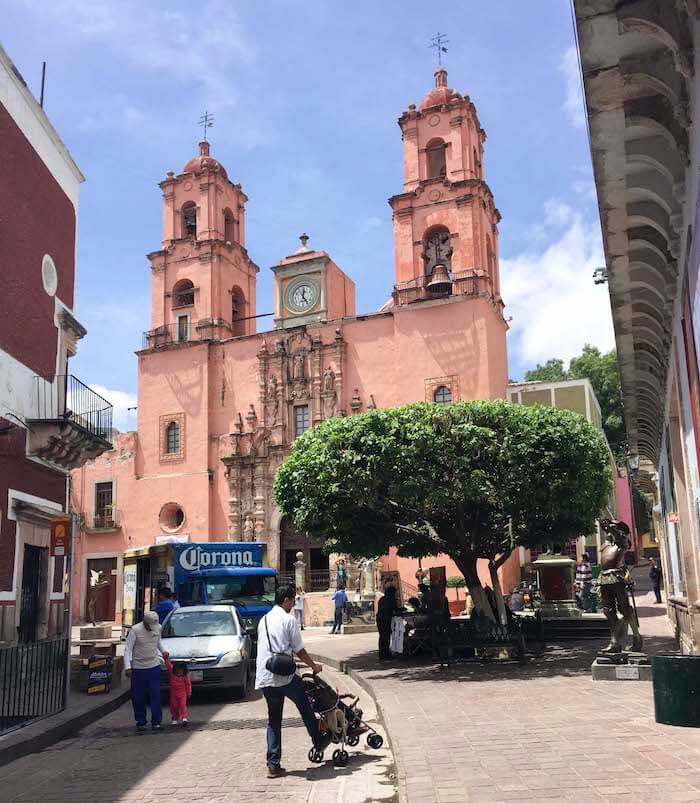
x: 268, y: 633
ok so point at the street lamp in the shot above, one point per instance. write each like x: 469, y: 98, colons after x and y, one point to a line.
x: 600, y: 276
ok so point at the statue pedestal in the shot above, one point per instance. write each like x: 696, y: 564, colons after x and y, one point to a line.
x: 621, y: 666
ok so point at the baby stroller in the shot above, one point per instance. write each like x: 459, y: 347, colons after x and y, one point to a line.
x: 342, y: 721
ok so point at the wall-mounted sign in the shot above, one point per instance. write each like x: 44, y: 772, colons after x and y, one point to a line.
x: 60, y: 536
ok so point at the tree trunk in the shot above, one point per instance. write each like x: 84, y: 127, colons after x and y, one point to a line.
x: 496, y: 584
x: 467, y: 566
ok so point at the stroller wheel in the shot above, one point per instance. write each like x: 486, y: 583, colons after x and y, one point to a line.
x: 340, y: 758
x: 316, y: 755
x: 352, y: 741
x: 375, y: 741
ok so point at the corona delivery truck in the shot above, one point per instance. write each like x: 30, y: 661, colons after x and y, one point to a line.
x: 199, y: 573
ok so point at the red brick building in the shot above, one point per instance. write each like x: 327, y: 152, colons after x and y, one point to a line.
x: 50, y: 422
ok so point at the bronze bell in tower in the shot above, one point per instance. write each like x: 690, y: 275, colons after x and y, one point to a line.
x: 440, y: 281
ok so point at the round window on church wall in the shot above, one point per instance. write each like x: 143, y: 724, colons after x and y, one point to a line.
x: 171, y: 517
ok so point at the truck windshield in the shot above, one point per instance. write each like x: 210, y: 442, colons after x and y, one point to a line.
x: 187, y: 624
x: 241, y: 590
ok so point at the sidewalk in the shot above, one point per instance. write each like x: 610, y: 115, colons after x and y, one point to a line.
x: 500, y: 732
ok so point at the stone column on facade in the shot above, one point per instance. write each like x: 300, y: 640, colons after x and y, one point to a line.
x: 315, y: 383
x: 259, y: 499
x: 234, y: 503
x: 300, y: 571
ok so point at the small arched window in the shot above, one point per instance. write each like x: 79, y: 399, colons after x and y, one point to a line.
x: 443, y: 395
x: 237, y: 312
x: 229, y: 226
x: 183, y: 293
x: 172, y: 438
x: 437, y: 163
x: 437, y: 249
x: 189, y: 219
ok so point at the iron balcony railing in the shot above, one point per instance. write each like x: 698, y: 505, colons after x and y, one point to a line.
x: 66, y: 398
x: 32, y: 681
x: 466, y: 283
x: 170, y: 334
x: 106, y: 520
x: 315, y: 580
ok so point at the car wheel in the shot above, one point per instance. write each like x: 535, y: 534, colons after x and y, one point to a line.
x: 240, y: 692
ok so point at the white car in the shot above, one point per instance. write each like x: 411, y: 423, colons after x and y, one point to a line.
x: 212, y: 641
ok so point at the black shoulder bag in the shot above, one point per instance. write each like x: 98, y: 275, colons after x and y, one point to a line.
x: 279, y: 663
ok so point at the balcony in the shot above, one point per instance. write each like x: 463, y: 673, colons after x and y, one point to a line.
x: 169, y: 335
x: 72, y: 423
x: 105, y: 521
x: 466, y: 283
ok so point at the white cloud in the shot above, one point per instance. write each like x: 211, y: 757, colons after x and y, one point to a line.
x: 371, y: 222
x: 573, y: 105
x: 557, y: 213
x: 123, y: 418
x: 549, y: 291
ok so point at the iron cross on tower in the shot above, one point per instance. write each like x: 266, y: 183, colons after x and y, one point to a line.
x: 206, y: 121
x: 438, y: 42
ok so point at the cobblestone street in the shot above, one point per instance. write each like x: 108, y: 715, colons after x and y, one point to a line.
x: 220, y: 758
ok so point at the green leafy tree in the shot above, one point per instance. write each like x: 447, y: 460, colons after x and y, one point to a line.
x: 469, y: 480
x: 552, y: 371
x: 601, y: 370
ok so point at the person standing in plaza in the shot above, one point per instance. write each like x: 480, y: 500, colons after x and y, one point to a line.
x: 386, y: 610
x: 340, y: 599
x: 299, y: 607
x: 584, y: 581
x: 655, y: 575
x: 340, y: 574
x: 279, y: 635
x: 165, y: 604
x: 142, y: 653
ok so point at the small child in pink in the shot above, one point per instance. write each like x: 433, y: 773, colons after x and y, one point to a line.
x: 180, y: 690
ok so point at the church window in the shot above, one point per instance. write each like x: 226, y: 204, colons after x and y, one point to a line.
x: 437, y: 164
x: 171, y: 517
x: 183, y: 328
x: 301, y: 419
x: 189, y: 220
x: 437, y: 249
x: 229, y: 226
x: 172, y: 438
x: 183, y: 293
x: 443, y: 395
x: 237, y: 312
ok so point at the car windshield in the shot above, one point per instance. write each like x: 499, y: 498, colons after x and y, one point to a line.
x: 187, y: 624
x: 243, y: 591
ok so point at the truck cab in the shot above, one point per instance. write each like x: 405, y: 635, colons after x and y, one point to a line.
x: 251, y: 589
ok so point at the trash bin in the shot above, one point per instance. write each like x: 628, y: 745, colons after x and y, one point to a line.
x: 676, y: 682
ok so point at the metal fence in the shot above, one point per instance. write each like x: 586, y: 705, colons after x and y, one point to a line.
x: 464, y: 283
x: 316, y: 580
x: 169, y: 334
x: 32, y: 681
x: 67, y: 398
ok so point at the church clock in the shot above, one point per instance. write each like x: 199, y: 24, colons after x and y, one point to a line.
x: 302, y: 295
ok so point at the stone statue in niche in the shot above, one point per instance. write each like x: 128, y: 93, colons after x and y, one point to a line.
x: 271, y: 388
x: 329, y: 380
x: 298, y: 367
x: 437, y: 250
x: 356, y: 402
x: 248, y: 528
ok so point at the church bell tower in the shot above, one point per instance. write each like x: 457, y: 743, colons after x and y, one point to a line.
x: 204, y: 282
x: 445, y: 220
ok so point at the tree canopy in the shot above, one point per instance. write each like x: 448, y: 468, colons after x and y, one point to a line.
x: 602, y: 371
x: 470, y: 480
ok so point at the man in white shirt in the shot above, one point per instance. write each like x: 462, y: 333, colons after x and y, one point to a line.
x: 278, y: 632
x: 142, y: 652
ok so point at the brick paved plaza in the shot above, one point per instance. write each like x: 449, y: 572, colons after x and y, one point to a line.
x: 469, y: 733
x: 540, y: 732
x: 219, y: 759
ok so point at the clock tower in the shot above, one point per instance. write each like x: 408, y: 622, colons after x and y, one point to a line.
x: 309, y: 288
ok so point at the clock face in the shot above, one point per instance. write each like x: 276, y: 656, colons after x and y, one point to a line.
x: 302, y: 296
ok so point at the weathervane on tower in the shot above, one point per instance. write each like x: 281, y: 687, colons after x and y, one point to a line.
x: 438, y: 43
x: 206, y: 121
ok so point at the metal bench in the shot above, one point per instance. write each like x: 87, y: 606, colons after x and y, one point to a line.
x: 459, y: 639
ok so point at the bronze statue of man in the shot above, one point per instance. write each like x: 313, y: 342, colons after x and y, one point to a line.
x: 614, y: 583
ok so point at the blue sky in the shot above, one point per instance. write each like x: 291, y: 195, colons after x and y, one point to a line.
x: 306, y: 98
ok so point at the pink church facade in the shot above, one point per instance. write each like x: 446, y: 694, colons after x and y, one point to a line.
x: 219, y: 404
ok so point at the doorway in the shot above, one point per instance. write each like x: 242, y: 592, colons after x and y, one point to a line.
x: 29, y: 600
x: 103, y: 572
